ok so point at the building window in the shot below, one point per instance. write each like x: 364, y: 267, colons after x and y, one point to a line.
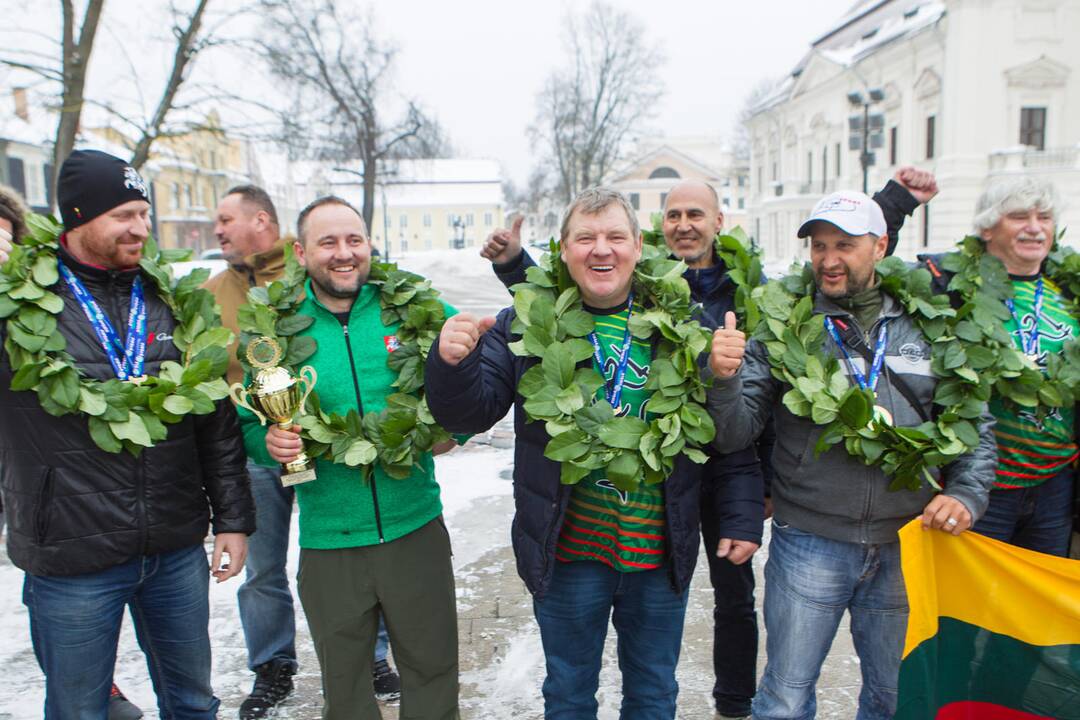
x: 759, y: 182
x: 404, y: 244
x: 635, y: 200
x: 931, y: 121
x: 403, y: 221
x: 892, y: 145
x: 809, y: 168
x: 742, y: 181
x: 187, y: 195
x: 742, y: 203
x: 449, y: 220
x: 1033, y: 127
x: 469, y: 221
x: 427, y: 220
x: 824, y: 168
x: 176, y: 195
x: 663, y: 172
x: 663, y: 200
x: 427, y: 242
x: 488, y: 221
x: 837, y: 159
x: 774, y: 171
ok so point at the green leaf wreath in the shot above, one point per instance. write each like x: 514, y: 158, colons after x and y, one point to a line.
x: 982, y: 284
x: 585, y: 433
x: 121, y: 415
x: 395, y: 437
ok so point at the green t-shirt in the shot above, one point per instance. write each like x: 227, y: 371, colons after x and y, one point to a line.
x: 1030, y: 452
x: 624, y: 530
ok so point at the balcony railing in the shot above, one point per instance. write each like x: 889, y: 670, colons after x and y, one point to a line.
x: 1025, y: 158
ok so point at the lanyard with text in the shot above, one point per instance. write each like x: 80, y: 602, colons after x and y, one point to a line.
x: 1030, y: 345
x: 866, y: 382
x: 613, y: 388
x: 130, y: 365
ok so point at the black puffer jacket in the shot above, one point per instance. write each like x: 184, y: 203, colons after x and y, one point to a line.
x: 474, y: 395
x: 72, y: 508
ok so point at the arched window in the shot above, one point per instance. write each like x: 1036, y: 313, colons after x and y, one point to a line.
x: 663, y: 172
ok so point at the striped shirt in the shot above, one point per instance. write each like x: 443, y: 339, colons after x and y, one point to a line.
x: 1029, y: 451
x: 624, y: 530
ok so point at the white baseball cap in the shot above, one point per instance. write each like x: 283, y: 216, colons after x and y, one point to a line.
x: 852, y: 212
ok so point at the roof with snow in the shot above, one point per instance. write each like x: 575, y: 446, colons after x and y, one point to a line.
x: 867, y: 27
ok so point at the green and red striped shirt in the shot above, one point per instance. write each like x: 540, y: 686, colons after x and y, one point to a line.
x: 1031, y: 451
x: 624, y: 530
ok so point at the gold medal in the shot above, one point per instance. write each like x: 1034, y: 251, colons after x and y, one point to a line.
x: 882, y: 415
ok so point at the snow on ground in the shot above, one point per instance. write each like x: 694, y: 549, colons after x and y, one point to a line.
x: 472, y: 480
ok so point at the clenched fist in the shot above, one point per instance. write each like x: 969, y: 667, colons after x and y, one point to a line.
x: 728, y: 348
x: 460, y: 336
x: 503, y: 245
x: 920, y: 183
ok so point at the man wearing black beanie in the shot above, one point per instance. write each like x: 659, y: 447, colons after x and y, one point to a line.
x: 94, y: 530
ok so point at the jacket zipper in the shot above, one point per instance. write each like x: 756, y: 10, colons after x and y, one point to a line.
x: 360, y: 409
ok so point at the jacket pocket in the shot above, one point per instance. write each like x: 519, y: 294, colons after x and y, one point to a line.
x: 43, y: 511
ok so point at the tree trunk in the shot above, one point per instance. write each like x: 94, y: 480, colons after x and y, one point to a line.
x: 183, y: 55
x: 75, y: 62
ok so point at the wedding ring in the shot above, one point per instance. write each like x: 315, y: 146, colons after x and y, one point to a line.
x: 951, y: 522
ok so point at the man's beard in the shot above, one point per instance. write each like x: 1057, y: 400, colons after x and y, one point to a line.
x: 325, y: 283
x: 853, y: 287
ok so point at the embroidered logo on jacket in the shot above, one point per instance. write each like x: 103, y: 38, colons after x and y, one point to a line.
x: 392, y: 343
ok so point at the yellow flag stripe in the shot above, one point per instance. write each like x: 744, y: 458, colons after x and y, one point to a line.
x: 1029, y: 596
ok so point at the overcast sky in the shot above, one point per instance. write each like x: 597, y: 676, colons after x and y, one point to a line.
x: 478, y: 64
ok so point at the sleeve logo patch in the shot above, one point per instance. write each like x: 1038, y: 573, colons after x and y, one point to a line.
x: 392, y: 343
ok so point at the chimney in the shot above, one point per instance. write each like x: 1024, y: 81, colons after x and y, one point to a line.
x: 22, y: 109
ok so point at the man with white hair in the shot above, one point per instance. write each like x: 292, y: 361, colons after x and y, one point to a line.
x: 1030, y: 504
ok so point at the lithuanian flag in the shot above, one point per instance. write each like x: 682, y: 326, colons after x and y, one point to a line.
x: 994, y: 630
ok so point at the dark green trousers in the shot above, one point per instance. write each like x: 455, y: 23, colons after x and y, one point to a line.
x: 409, y: 580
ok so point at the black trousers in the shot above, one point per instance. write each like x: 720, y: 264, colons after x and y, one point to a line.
x: 735, y: 628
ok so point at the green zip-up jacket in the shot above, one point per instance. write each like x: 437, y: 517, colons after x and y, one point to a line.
x: 339, y: 509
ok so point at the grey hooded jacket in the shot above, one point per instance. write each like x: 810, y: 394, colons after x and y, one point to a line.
x: 835, y: 495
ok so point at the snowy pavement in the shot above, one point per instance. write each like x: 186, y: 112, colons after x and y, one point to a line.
x: 501, y: 657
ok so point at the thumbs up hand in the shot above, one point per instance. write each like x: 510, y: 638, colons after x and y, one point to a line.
x: 728, y: 348
x: 504, y: 245
x: 460, y: 336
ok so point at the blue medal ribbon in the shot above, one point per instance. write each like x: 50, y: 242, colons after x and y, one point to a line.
x: 613, y: 388
x: 865, y: 382
x: 130, y: 364
x: 1029, y: 345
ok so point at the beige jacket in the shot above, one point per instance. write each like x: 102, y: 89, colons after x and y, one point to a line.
x: 230, y: 288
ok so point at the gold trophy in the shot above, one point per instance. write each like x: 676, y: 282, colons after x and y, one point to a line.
x: 276, y: 394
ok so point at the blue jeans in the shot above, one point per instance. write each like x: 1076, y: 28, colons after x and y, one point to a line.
x: 75, y: 624
x: 573, y: 618
x: 382, y: 640
x: 809, y: 582
x: 266, y: 603
x: 1037, y: 518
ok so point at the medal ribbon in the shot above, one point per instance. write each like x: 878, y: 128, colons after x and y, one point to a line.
x: 866, y: 383
x: 1030, y: 345
x: 130, y: 364
x: 613, y: 388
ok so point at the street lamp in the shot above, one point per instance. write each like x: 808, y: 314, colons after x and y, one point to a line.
x: 867, y: 131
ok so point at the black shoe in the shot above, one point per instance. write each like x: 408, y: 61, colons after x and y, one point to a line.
x: 273, y: 683
x: 387, y: 683
x: 120, y: 708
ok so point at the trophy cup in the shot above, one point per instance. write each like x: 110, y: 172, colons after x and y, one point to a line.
x: 276, y: 394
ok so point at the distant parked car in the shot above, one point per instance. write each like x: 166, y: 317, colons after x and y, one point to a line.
x: 211, y: 254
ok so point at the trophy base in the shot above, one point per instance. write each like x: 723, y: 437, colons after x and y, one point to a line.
x: 296, y: 478
x: 300, y: 470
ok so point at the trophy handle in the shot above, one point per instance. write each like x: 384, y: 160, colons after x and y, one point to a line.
x: 307, y: 378
x: 239, y: 395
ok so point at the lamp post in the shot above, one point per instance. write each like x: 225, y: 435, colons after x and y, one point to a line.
x: 867, y: 131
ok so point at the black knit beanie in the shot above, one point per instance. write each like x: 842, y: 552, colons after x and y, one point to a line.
x: 92, y: 183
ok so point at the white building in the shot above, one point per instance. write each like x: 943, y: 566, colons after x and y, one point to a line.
x: 27, y: 133
x: 648, y: 177
x: 973, y: 89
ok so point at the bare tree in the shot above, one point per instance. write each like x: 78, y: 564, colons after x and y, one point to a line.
x: 588, y: 112
x: 337, y: 68
x: 741, y: 140
x: 69, y: 72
